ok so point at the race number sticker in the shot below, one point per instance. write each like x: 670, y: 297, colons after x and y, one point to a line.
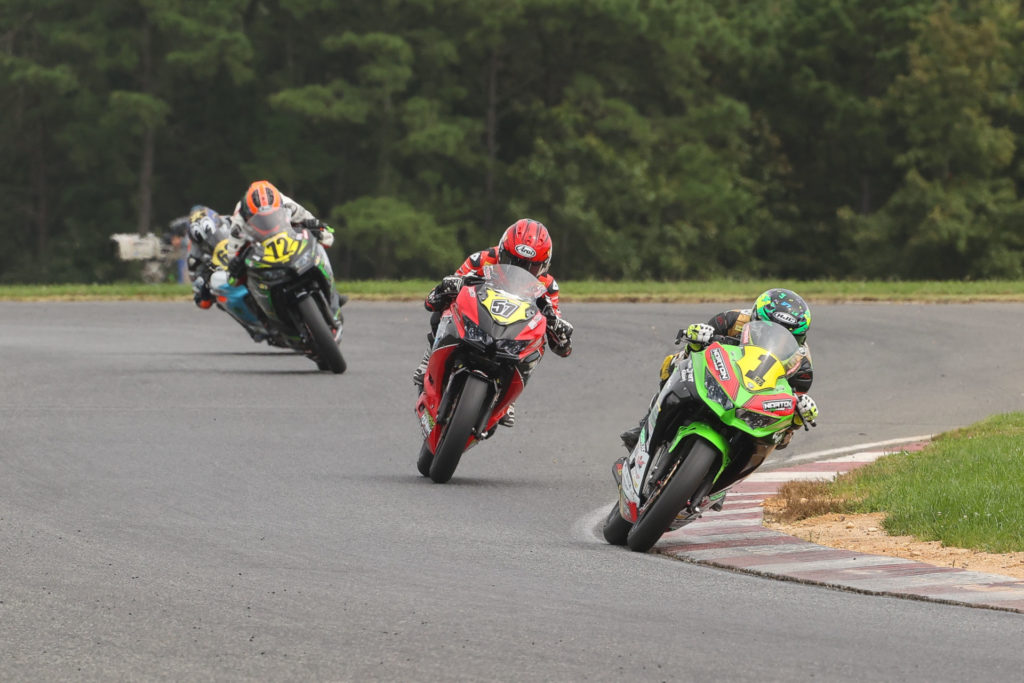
x: 761, y: 370
x: 220, y: 254
x: 279, y: 248
x: 504, y: 308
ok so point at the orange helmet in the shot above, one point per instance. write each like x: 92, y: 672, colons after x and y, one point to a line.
x: 527, y: 244
x: 261, y: 196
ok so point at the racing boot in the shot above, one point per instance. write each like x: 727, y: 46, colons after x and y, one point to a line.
x: 630, y: 437
x: 421, y: 371
x: 509, y: 418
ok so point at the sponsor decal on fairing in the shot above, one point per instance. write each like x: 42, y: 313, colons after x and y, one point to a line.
x: 721, y: 367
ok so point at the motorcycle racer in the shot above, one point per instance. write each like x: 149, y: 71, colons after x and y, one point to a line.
x: 262, y: 197
x: 206, y: 230
x: 782, y: 306
x: 527, y: 244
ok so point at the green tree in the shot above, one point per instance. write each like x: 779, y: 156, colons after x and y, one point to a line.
x: 956, y: 211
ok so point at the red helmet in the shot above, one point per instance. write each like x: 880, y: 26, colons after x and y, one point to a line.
x: 527, y: 244
x: 261, y: 196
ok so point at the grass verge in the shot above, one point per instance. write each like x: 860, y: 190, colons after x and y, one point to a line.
x: 965, y: 489
x: 719, y: 291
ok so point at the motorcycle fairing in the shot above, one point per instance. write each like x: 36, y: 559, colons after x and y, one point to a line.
x: 466, y: 305
x: 507, y: 397
x: 232, y: 299
x: 478, y: 334
x: 720, y: 367
x: 770, y: 402
x: 503, y: 307
x: 430, y: 397
x: 774, y: 405
x: 759, y: 368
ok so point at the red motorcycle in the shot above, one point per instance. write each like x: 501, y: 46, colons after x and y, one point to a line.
x: 486, y: 345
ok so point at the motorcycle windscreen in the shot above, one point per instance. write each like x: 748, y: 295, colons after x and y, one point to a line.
x: 777, y: 342
x: 514, y: 281
x: 276, y: 240
x: 509, y: 295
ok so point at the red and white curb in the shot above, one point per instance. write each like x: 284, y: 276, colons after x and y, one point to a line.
x: 735, y: 539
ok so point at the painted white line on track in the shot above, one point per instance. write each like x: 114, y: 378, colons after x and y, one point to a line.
x: 875, y: 445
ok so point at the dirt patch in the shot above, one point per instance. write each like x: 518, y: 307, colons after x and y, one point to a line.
x: 864, y: 534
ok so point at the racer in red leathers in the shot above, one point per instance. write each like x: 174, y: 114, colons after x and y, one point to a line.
x: 527, y: 244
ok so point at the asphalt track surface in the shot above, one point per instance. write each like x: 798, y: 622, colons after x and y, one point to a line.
x: 177, y: 503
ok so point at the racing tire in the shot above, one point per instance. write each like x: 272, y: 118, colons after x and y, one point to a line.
x: 323, y: 340
x: 672, y: 497
x: 459, y: 428
x: 426, y: 457
x: 616, y: 529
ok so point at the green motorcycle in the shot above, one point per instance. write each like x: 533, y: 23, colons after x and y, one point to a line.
x: 720, y: 413
x: 291, y: 282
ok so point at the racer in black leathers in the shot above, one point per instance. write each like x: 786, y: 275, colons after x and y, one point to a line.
x: 777, y: 305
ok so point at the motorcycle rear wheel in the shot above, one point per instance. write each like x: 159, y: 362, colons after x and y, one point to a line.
x: 672, y: 496
x: 326, y: 348
x: 616, y: 529
x: 458, y: 430
x: 426, y: 457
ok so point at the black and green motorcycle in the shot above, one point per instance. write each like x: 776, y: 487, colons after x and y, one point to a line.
x: 292, y: 285
x: 717, y: 417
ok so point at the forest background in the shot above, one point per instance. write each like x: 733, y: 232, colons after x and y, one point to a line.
x: 657, y: 139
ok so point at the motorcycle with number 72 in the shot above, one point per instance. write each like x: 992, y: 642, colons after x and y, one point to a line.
x: 289, y: 276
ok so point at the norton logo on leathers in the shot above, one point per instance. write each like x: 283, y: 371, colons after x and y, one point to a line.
x: 525, y: 250
x: 721, y: 367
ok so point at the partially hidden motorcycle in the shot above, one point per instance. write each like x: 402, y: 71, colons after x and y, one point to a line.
x: 488, y: 342
x: 234, y: 300
x: 291, y: 281
x: 719, y: 414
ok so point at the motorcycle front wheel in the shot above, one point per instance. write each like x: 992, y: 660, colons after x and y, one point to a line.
x: 672, y: 497
x: 326, y: 348
x: 459, y: 429
x: 616, y: 529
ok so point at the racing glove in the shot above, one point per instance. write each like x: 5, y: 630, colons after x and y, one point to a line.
x: 236, y: 266
x: 444, y: 293
x: 698, y: 335
x: 806, y: 411
x: 324, y: 233
x: 560, y: 336
x: 450, y: 285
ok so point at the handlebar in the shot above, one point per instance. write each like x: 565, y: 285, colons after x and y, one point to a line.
x: 720, y: 338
